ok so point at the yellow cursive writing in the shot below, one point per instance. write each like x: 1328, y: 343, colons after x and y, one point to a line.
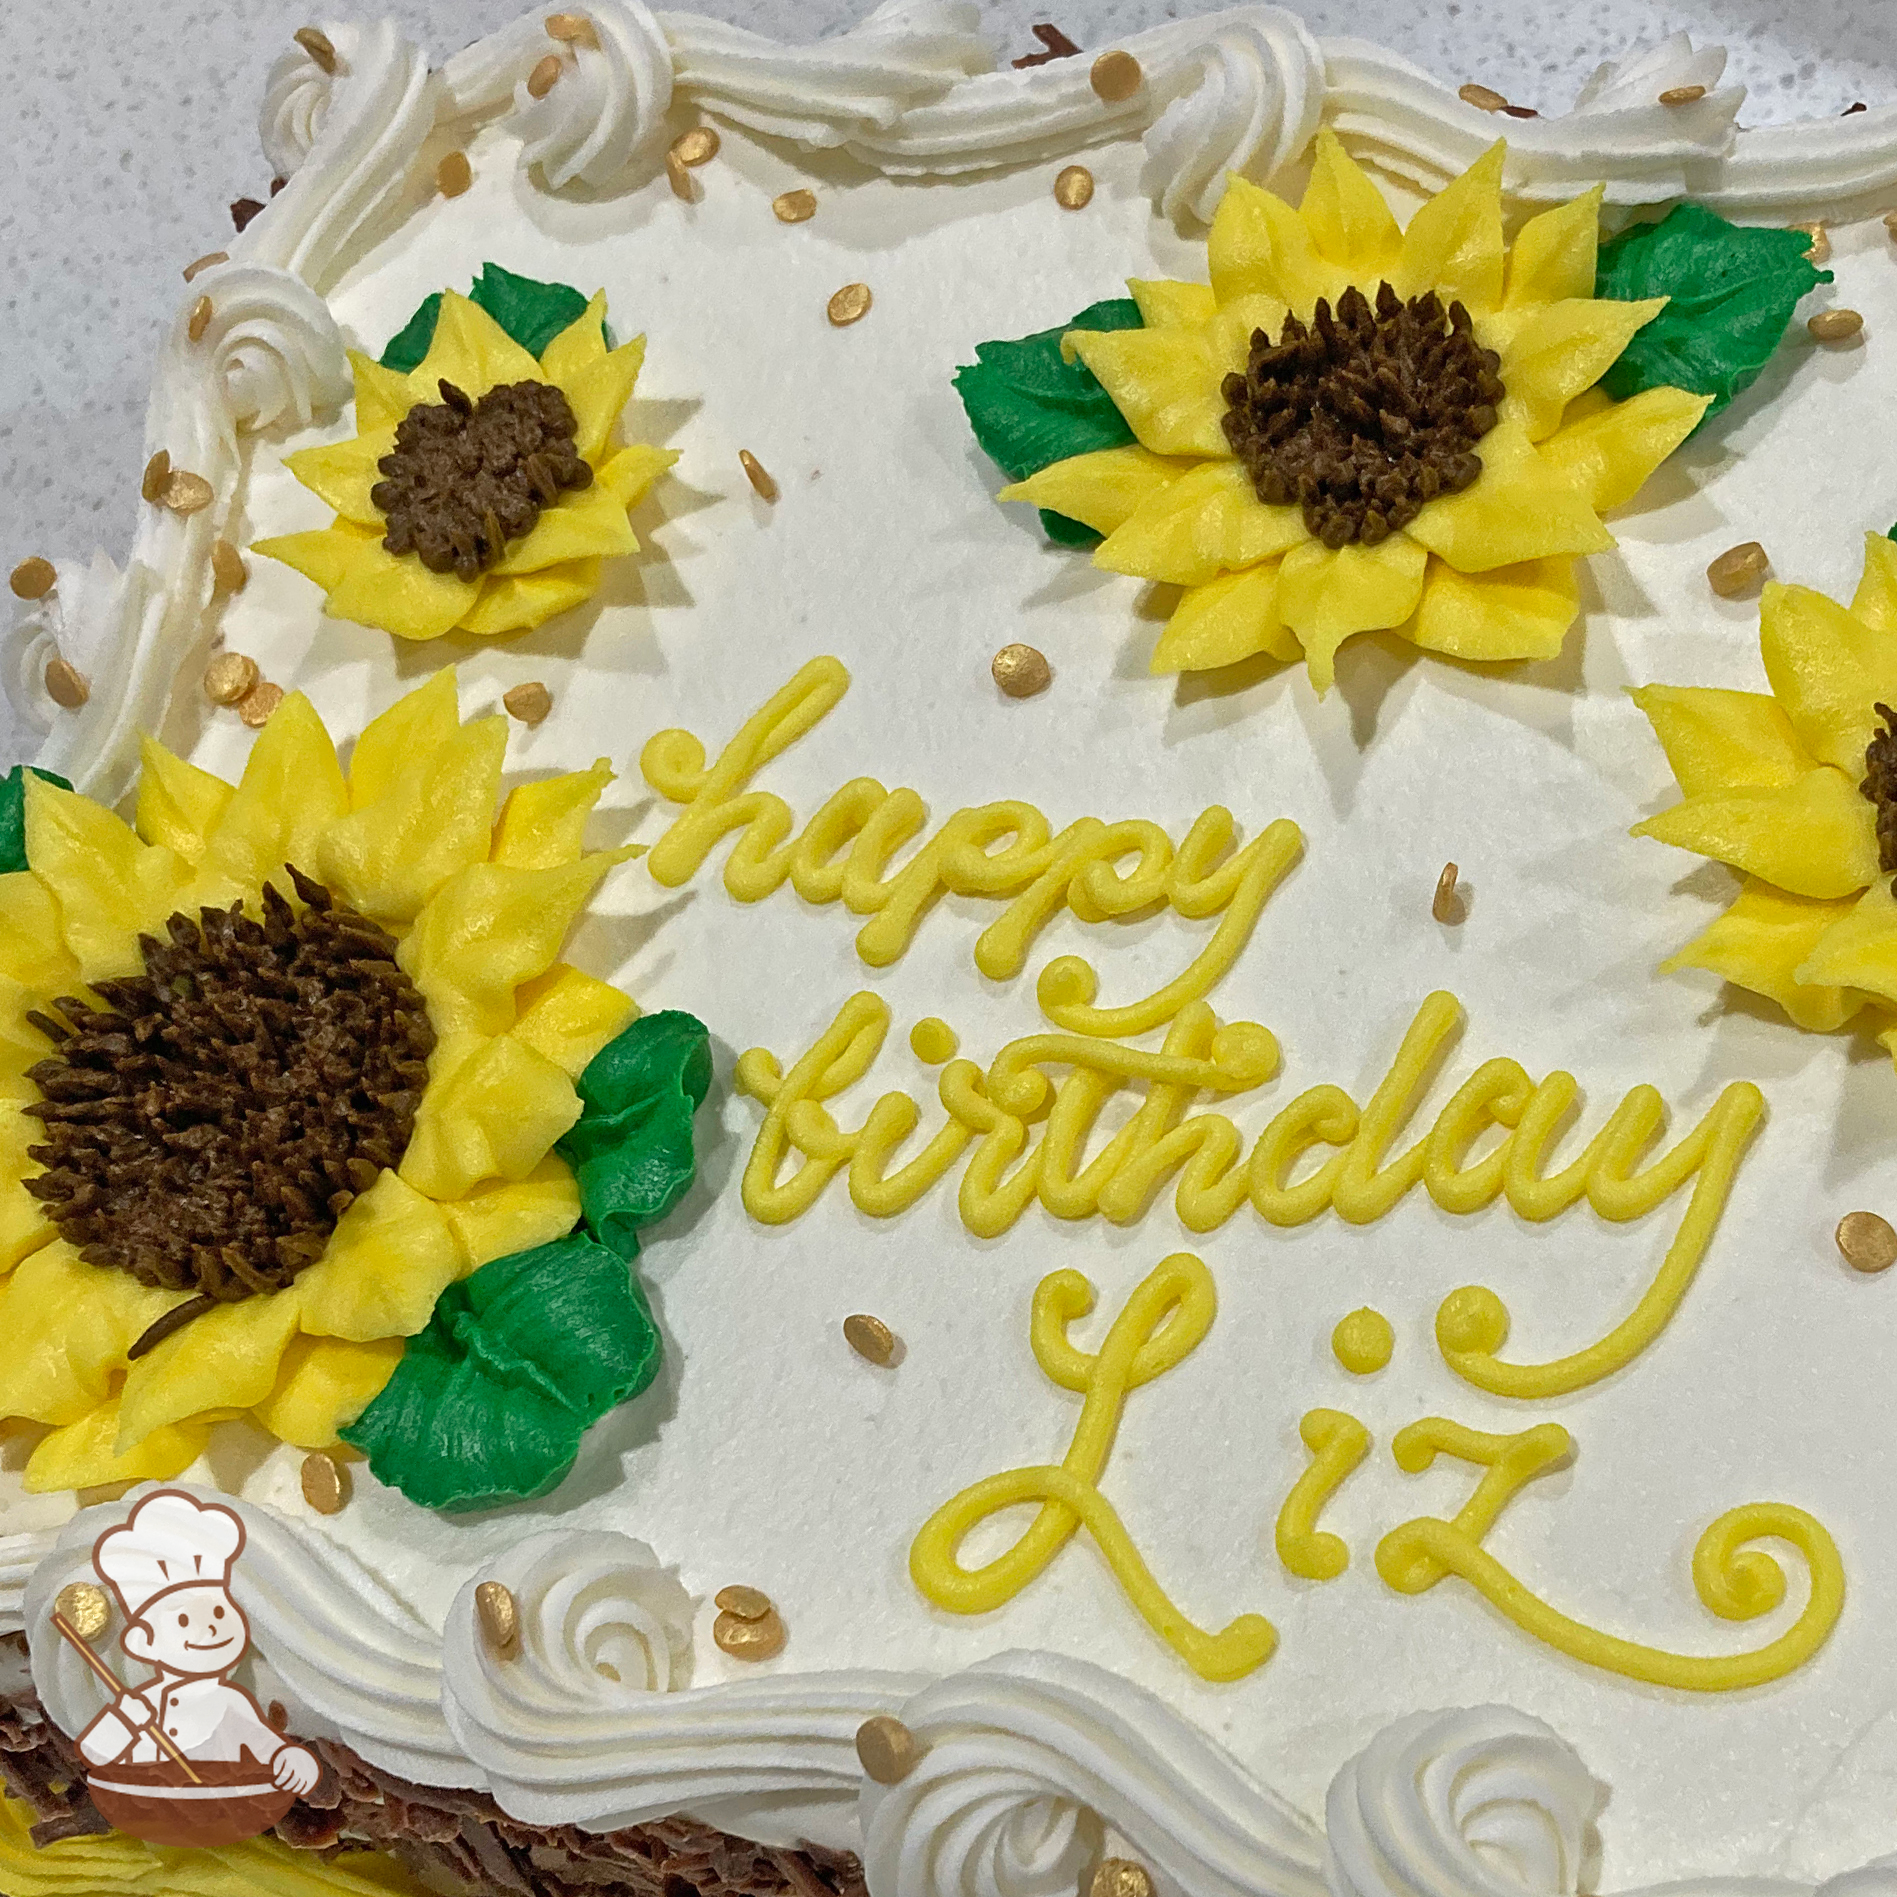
x: 1338, y: 1443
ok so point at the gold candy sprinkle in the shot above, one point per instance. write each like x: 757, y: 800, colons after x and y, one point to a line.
x: 66, y: 685
x: 678, y: 177
x: 1447, y: 904
x: 500, y: 1619
x: 1483, y: 98
x: 573, y: 29
x: 744, y: 1603
x: 230, y: 678
x: 1021, y: 671
x: 889, y: 1751
x: 757, y: 474
x: 699, y: 146
x: 1835, y: 326
x: 325, y: 1487
x: 1736, y: 569
x: 454, y: 174
x: 157, y: 473
x: 1890, y: 222
x: 798, y: 207
x: 33, y: 578
x: 258, y: 703
x: 315, y: 42
x: 205, y: 262
x: 1682, y: 95
x: 1115, y: 76
x: 84, y: 1608
x: 529, y: 703
x: 1868, y: 1241
x: 544, y: 77
x: 199, y: 320
x: 850, y: 304
x: 1121, y: 1877
x: 229, y: 574
x: 185, y: 492
x: 1073, y: 189
x: 872, y: 1340
x: 1820, y: 241
x: 749, y: 1639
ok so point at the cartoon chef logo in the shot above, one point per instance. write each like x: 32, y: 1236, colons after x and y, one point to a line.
x: 184, y: 1757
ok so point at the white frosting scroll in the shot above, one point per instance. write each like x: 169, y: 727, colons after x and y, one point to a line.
x: 19, y: 1556
x: 272, y: 346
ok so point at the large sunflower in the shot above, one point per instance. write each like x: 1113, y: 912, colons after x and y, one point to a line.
x: 491, y: 581
x: 368, y: 964
x: 1356, y: 427
x: 1797, y: 791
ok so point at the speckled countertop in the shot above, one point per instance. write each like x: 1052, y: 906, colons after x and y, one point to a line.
x: 133, y: 124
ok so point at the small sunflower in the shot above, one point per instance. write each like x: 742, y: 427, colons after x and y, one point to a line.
x: 286, y: 1058
x: 1797, y: 791
x: 1357, y: 428
x: 481, y: 491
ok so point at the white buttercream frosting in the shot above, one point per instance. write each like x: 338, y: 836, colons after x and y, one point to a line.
x: 273, y: 348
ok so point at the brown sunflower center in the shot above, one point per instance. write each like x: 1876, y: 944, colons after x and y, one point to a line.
x: 466, y: 477
x: 1366, y: 414
x: 1880, y: 785
x: 209, y: 1125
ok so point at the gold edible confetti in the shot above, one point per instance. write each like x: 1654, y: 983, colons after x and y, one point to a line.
x: 229, y: 574
x: 872, y: 1339
x: 678, y: 177
x: 1820, y: 241
x: 258, y: 703
x: 757, y: 474
x: 454, y: 174
x: 1835, y: 326
x: 1736, y: 569
x: 544, y: 77
x: 743, y: 1603
x: 325, y: 1487
x: 84, y: 1608
x: 199, y: 320
x: 889, y: 1751
x: 1868, y: 1241
x: 205, y: 262
x: 1890, y: 222
x: 1682, y: 95
x: 157, y: 473
x: 1073, y: 189
x: 699, y: 146
x: 1021, y: 671
x: 33, y: 578
x: 500, y: 1619
x: 529, y: 703
x: 850, y: 304
x: 1115, y: 76
x: 316, y: 43
x: 1483, y: 98
x: 185, y: 492
x: 66, y: 685
x: 794, y: 207
x: 574, y: 29
x: 230, y: 678
x: 1121, y: 1877
x: 1446, y: 905
x: 761, y: 1639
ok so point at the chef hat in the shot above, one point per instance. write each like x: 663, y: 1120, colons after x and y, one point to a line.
x: 169, y: 1541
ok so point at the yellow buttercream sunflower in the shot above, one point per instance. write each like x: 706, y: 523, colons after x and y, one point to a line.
x: 478, y: 905
x: 1790, y: 788
x: 1475, y: 563
x: 501, y: 585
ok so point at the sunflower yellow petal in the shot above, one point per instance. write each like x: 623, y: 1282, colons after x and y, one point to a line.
x: 1509, y: 612
x: 1813, y: 837
x: 1328, y: 596
x: 569, y: 1016
x: 1722, y: 740
x: 470, y: 350
x: 543, y: 825
x: 23, y: 1225
x: 1454, y: 243
x: 1562, y: 349
x: 1761, y: 942
x: 383, y: 396
x: 178, y: 804
x: 582, y: 526
x: 530, y: 599
x: 323, y: 1383
x: 226, y: 1359
x: 581, y: 344
x: 390, y: 1257
x: 1607, y: 453
x: 1859, y: 949
x: 395, y: 592
x: 404, y: 740
x: 291, y: 792
x: 495, y: 1117
x: 1259, y: 246
x: 323, y: 554
x: 1225, y: 620
x: 1164, y: 382
x: 1554, y: 255
x: 1875, y: 601
x: 599, y: 391
x: 1518, y: 508
x: 32, y: 949
x: 22, y: 1045
x: 68, y: 1326
x: 497, y: 1220
x: 85, y: 1454
x: 1347, y: 217
x: 1828, y: 669
x: 342, y: 473
x: 1204, y: 523
x: 1167, y: 304
x: 1102, y: 490
x: 630, y: 472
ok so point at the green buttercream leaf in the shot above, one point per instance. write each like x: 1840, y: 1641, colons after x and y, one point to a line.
x: 13, y: 814
x: 631, y: 1148
x: 409, y: 345
x: 489, y: 1403
x: 1732, y: 291
x: 531, y: 312
x: 1030, y: 408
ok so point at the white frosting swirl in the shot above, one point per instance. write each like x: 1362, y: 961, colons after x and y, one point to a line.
x: 1480, y: 1803
x: 273, y: 347
x: 1253, y: 108
x: 1876, y: 1879
x: 1030, y: 1760
x: 19, y: 1556
x: 295, y: 103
